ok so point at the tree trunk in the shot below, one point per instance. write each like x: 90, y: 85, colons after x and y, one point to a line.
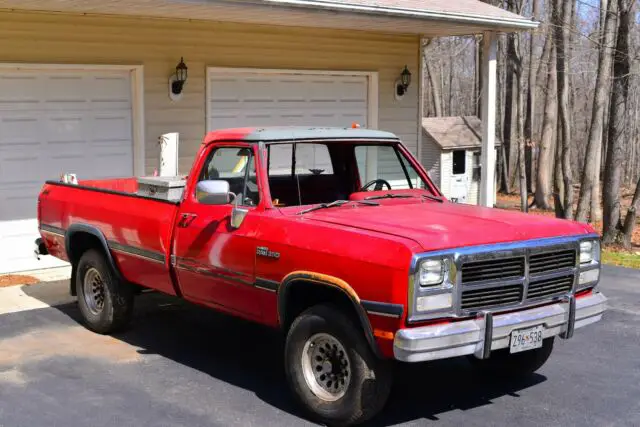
x: 630, y: 220
x: 516, y: 65
x: 558, y: 182
x: 435, y: 86
x: 591, y: 169
x: 549, y: 125
x: 617, y: 110
x: 507, y: 132
x: 562, y: 15
x: 531, y: 101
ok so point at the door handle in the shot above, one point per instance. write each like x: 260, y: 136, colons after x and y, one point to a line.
x: 186, y: 219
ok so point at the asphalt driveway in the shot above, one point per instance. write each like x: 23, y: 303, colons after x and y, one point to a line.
x: 182, y: 365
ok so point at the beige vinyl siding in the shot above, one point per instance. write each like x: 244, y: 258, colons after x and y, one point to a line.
x: 473, y: 195
x: 158, y: 44
x: 431, y: 159
x: 446, y: 172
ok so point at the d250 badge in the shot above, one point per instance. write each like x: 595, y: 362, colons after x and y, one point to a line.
x: 265, y: 252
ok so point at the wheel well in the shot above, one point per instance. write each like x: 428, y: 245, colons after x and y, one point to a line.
x: 79, y: 243
x: 300, y: 295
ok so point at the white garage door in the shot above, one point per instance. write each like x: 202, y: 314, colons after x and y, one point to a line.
x: 52, y: 122
x: 248, y: 98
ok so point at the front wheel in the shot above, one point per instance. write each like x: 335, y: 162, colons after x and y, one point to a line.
x: 331, y: 369
x: 503, y: 364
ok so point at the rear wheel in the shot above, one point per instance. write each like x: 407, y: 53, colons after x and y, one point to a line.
x: 105, y: 302
x: 503, y: 364
x: 331, y: 369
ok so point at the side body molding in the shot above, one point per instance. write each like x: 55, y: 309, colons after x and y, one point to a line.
x: 332, y: 282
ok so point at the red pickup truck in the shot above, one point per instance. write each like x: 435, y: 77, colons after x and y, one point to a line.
x: 338, y: 238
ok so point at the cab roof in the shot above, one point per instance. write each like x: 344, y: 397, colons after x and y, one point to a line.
x: 297, y: 133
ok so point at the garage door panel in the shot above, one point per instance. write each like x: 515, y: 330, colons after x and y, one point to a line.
x: 54, y: 122
x: 18, y: 202
x: 19, y: 132
x: 116, y: 129
x: 19, y: 91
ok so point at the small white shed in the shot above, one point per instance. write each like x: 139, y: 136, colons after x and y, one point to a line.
x: 451, y: 155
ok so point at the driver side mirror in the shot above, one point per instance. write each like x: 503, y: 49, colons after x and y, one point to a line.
x: 213, y: 192
x: 216, y: 192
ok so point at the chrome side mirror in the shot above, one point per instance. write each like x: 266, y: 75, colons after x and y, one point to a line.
x: 213, y: 192
x: 238, y: 214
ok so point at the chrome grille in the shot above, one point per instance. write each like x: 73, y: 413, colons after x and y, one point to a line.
x: 550, y: 287
x: 493, y: 269
x: 552, y: 261
x: 474, y: 299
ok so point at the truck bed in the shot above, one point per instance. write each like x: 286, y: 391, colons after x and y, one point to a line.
x: 137, y: 228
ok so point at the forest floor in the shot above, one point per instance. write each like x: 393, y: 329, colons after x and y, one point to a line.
x: 611, y: 254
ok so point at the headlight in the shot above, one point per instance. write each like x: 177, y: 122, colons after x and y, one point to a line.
x: 432, y: 272
x: 589, y: 251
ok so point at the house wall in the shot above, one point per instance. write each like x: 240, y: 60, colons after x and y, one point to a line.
x: 158, y: 44
x: 431, y: 158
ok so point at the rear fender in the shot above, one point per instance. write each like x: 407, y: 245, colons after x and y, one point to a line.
x: 75, y: 254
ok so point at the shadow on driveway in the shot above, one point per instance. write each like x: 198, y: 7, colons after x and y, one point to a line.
x: 250, y: 356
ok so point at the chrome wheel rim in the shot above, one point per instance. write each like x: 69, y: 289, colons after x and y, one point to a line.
x: 326, y: 367
x: 94, y: 291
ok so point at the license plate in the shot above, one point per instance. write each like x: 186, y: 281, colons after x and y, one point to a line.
x: 526, y: 339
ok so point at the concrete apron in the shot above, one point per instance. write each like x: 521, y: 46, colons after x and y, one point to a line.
x: 51, y: 291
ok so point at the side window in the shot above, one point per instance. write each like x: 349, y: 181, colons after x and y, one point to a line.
x: 459, y: 160
x: 476, y: 166
x: 389, y: 165
x: 236, y: 165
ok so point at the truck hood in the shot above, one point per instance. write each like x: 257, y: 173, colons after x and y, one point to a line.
x: 436, y: 226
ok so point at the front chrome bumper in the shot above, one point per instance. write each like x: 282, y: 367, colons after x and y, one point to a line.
x: 442, y: 341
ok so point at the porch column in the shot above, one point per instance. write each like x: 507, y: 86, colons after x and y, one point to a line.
x: 488, y: 154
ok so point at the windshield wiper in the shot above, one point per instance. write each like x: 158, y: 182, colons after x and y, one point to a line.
x: 335, y: 204
x: 434, y: 198
x: 390, y: 196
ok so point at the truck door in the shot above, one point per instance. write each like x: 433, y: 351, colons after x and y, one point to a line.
x: 215, y: 262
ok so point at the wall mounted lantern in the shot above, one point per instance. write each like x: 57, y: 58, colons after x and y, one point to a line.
x: 402, y: 84
x: 177, y: 81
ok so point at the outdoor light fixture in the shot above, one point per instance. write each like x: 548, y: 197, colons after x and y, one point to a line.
x: 177, y: 81
x: 402, y: 84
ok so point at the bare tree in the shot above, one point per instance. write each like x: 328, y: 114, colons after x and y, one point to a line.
x: 591, y: 169
x: 612, y: 221
x: 549, y: 125
x: 436, y: 94
x: 531, y: 101
x: 562, y: 23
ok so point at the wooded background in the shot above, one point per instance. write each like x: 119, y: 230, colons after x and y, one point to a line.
x: 568, y: 107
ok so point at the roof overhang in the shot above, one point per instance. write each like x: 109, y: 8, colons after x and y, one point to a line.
x: 434, y: 18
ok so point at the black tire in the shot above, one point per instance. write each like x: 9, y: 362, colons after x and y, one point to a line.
x: 116, y: 310
x: 370, y: 377
x: 503, y: 364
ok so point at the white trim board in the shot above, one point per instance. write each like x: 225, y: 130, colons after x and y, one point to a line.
x: 137, y: 98
x: 372, y: 86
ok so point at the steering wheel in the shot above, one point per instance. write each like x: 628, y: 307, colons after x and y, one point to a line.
x: 378, y: 185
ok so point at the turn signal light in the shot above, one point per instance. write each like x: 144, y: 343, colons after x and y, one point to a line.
x: 355, y: 125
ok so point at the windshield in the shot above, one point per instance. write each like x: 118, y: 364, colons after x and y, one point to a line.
x: 307, y: 173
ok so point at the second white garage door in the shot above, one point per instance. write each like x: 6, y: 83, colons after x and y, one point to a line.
x: 52, y: 122
x: 255, y: 98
